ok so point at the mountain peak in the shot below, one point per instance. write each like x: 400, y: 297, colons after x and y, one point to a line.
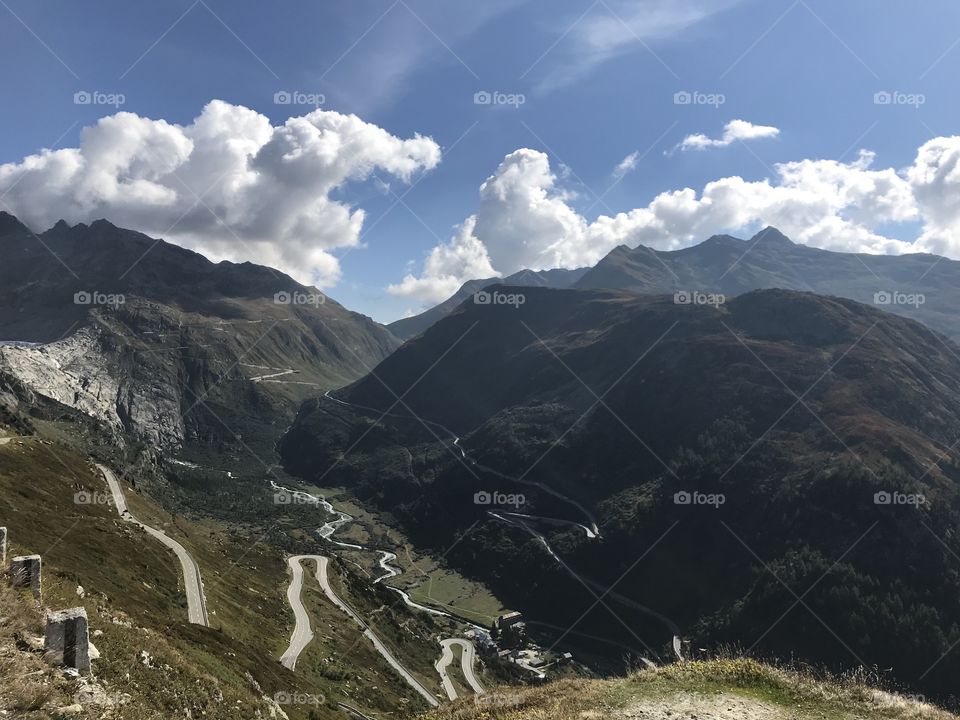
x: 9, y: 224
x: 720, y: 241
x: 771, y: 236
x: 102, y: 224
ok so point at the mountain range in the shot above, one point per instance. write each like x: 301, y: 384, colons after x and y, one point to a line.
x: 743, y: 443
x: 921, y: 286
x: 407, y: 328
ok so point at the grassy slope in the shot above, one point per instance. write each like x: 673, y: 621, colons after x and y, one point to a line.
x: 737, y: 689
x: 133, y: 597
x: 132, y: 592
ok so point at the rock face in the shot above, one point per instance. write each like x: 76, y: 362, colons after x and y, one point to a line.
x: 25, y: 572
x: 84, y: 372
x: 73, y: 371
x: 67, y: 639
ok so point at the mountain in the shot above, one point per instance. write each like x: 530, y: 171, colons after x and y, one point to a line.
x: 725, y: 264
x: 734, y: 458
x: 157, y: 341
x: 407, y: 328
x: 920, y: 286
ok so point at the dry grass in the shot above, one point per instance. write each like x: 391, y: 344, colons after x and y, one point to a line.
x: 739, y: 688
x: 28, y: 687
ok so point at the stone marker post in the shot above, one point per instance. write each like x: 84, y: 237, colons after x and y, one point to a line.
x: 25, y: 572
x: 3, y: 547
x: 67, y: 639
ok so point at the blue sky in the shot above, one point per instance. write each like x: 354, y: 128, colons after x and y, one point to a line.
x: 598, y: 81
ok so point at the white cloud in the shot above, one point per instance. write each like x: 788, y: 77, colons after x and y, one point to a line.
x: 627, y: 165
x: 617, y: 27
x: 733, y: 131
x: 447, y: 267
x: 229, y: 184
x: 935, y: 178
x: 525, y: 219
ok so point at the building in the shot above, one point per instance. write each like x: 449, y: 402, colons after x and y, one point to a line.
x: 509, y: 620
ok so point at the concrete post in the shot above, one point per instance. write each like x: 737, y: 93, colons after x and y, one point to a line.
x: 67, y: 639
x: 25, y: 572
x: 3, y: 547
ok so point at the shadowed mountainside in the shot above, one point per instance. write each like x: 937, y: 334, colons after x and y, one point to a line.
x: 157, y: 340
x: 795, y: 409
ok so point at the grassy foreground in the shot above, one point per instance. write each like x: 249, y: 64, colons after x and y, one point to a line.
x: 731, y: 689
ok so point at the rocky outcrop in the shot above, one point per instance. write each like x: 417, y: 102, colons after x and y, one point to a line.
x: 84, y: 373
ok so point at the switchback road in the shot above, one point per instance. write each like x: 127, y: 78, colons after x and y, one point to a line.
x: 192, y: 582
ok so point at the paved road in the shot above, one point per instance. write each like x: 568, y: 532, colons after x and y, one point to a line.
x: 302, y: 633
x: 192, y: 582
x: 299, y: 633
x: 353, y: 712
x: 468, y: 658
x: 519, y: 519
x: 553, y: 521
x: 593, y: 531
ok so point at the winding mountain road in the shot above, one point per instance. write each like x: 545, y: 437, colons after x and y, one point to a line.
x: 524, y: 521
x: 192, y: 581
x: 468, y: 657
x: 302, y: 634
x: 593, y: 530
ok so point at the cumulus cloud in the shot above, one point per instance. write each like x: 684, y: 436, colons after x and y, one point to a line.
x: 733, y: 131
x: 526, y: 220
x: 448, y: 266
x: 935, y: 179
x: 230, y: 184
